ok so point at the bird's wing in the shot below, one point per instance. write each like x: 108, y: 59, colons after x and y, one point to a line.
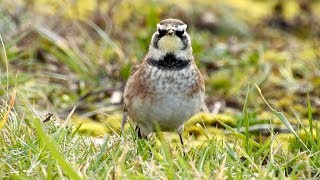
x: 125, y: 111
x: 134, y: 69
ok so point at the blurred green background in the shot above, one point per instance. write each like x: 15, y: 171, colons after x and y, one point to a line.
x: 63, y: 54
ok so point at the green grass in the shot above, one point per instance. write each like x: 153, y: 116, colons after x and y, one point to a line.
x: 31, y: 148
x: 72, y: 60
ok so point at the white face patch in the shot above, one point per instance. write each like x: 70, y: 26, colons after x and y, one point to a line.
x: 170, y: 44
x: 169, y: 26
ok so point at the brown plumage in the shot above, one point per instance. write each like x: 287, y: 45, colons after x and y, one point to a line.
x: 167, y: 88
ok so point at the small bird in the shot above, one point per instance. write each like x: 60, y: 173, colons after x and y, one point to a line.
x: 167, y: 88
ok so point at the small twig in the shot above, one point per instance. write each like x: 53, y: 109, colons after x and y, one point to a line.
x: 49, y: 115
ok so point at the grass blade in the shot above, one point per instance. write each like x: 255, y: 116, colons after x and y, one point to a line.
x: 6, y: 114
x: 239, y: 135
x: 282, y: 118
x: 49, y: 143
x: 310, y: 115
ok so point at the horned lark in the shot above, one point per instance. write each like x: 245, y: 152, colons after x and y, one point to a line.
x: 166, y: 89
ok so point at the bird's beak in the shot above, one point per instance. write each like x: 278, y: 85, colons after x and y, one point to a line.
x: 170, y: 32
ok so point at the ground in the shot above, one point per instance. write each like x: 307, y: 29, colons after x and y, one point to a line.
x: 64, y: 66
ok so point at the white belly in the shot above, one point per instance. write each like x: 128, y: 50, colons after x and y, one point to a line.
x: 167, y: 111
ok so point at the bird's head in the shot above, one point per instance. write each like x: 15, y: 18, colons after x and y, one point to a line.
x: 171, y: 36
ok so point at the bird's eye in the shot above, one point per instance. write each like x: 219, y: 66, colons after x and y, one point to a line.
x: 179, y: 33
x: 162, y: 32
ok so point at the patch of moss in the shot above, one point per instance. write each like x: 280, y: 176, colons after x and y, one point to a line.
x: 283, y: 141
x: 219, y: 81
x: 110, y: 124
x: 92, y: 128
x: 210, y: 120
x: 275, y: 57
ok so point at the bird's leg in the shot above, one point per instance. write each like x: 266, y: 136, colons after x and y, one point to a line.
x: 182, y: 144
x: 181, y: 140
x: 180, y: 131
x: 138, y: 131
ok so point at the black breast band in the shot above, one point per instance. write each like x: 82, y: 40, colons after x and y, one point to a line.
x: 169, y: 62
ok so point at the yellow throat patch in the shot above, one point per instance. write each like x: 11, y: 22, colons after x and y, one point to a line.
x: 170, y: 43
